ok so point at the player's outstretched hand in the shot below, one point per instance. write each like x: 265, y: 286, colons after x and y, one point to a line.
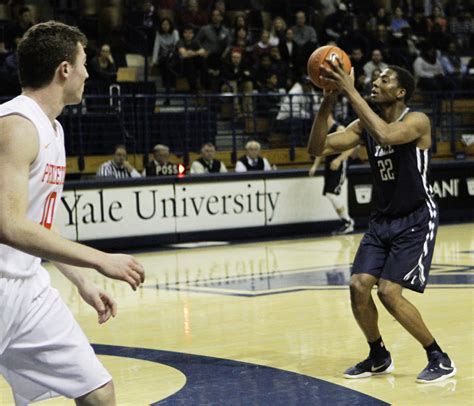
x: 100, y: 300
x: 125, y: 268
x: 336, y: 74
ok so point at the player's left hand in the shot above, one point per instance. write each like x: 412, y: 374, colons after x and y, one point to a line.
x: 337, y: 75
x: 101, y: 301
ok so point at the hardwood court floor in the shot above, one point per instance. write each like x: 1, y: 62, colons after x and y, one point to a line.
x: 210, y: 320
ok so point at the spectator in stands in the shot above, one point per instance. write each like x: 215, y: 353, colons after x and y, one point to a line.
x: 419, y: 25
x: 376, y: 62
x: 239, y: 22
x: 301, y: 101
x: 192, y: 16
x: 429, y: 72
x: 9, y: 80
x: 21, y: 25
x: 236, y: 78
x: 453, y: 66
x: 102, y: 66
x: 221, y: 6
x: 118, y: 167
x: 215, y: 38
x: 437, y: 17
x: 439, y: 38
x: 252, y: 161
x: 242, y: 43
x: 353, y: 37
x: 262, y: 70
x: 336, y: 23
x: 380, y: 40
x: 462, y: 28
x: 304, y: 35
x: 263, y: 46
x: 161, y: 166
x: 148, y: 21
x: 278, y: 31
x: 207, y: 163
x: 402, y: 48
x: 291, y: 53
x: 166, y: 39
x: 398, y: 22
x: 381, y: 18
x: 357, y: 61
x: 285, y: 75
x: 192, y: 56
x: 271, y: 96
x: 297, y: 110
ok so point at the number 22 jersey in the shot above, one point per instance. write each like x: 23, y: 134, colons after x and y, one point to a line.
x: 400, y: 175
x: 45, y: 184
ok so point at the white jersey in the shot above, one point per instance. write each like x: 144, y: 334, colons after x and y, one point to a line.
x: 45, y: 183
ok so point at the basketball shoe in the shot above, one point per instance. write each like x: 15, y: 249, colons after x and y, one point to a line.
x: 370, y: 367
x: 439, y: 368
x: 346, y: 228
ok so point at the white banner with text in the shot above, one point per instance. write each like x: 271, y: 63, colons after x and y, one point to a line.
x: 134, y: 211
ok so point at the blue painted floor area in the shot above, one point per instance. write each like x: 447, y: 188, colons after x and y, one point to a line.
x: 215, y: 381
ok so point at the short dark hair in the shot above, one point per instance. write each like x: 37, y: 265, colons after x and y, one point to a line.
x: 405, y: 80
x: 208, y: 144
x: 43, y: 48
x: 120, y: 146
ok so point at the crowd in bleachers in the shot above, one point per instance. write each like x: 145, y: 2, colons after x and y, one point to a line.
x: 250, y: 46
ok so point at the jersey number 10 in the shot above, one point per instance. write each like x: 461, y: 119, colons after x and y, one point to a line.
x: 48, y: 210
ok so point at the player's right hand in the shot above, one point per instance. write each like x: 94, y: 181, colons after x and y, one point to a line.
x: 125, y: 268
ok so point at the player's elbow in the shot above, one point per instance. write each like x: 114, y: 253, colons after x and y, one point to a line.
x: 7, y: 232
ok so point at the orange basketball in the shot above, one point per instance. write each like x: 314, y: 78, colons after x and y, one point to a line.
x: 318, y: 58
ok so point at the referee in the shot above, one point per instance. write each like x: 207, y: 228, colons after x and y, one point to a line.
x: 118, y: 167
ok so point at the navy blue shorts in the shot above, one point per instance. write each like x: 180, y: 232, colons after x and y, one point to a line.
x: 399, y: 249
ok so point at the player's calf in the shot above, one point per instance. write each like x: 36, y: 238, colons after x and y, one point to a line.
x: 103, y: 396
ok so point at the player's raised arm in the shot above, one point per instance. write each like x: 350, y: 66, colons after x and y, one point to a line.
x: 18, y: 150
x: 320, y: 143
x: 387, y: 88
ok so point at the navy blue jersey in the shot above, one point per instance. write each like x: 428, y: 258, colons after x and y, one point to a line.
x: 400, y: 174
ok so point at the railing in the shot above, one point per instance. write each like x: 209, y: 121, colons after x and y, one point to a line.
x: 184, y: 122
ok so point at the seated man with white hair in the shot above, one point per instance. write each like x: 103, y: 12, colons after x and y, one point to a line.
x: 207, y: 162
x: 252, y: 161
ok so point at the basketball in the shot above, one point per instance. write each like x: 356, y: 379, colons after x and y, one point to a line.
x: 318, y: 58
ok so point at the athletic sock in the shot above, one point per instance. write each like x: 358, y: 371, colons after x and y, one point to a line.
x: 377, y: 349
x: 432, y: 348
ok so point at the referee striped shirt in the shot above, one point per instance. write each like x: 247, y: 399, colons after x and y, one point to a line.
x: 110, y: 170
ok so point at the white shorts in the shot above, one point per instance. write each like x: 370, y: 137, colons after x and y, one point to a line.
x: 43, y: 351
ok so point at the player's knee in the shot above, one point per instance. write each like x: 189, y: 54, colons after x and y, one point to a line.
x: 388, y: 295
x: 103, y: 396
x: 359, y: 292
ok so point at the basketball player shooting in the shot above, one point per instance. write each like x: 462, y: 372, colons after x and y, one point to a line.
x: 396, y: 251
x: 43, y: 351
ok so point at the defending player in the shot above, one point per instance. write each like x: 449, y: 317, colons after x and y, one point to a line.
x: 396, y: 251
x: 43, y: 351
